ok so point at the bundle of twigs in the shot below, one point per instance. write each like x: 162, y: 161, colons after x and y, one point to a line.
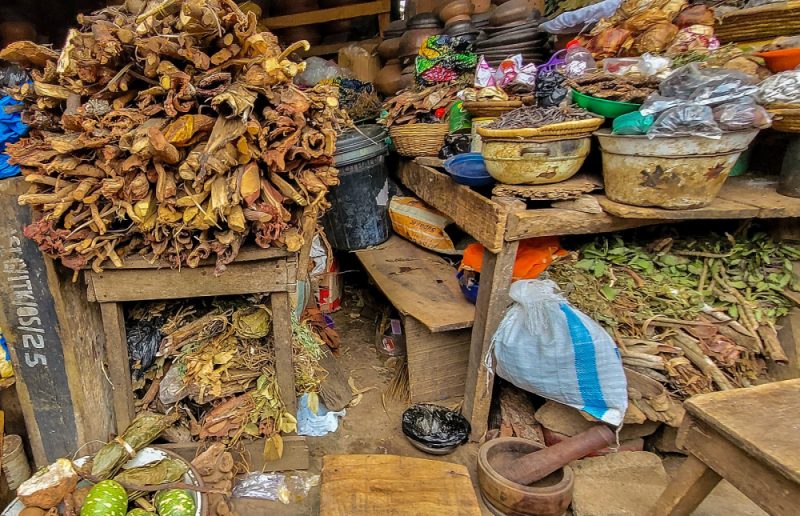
x: 171, y: 129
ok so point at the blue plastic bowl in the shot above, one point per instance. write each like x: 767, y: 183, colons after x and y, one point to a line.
x: 468, y: 169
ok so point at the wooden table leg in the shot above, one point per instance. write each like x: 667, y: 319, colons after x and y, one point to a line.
x: 687, y: 490
x: 496, y: 273
x: 284, y: 368
x: 119, y: 369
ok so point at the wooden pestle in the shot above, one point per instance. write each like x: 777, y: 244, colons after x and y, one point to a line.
x: 535, y: 466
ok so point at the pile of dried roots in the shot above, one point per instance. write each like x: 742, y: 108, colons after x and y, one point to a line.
x: 171, y: 129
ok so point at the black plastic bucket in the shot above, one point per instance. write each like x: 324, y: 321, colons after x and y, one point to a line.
x: 358, y: 217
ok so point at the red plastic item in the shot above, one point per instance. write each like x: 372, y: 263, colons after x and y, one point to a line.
x: 781, y: 60
x: 533, y: 257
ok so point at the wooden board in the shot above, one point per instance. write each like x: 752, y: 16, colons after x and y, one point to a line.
x: 246, y: 254
x: 479, y: 216
x: 760, y: 192
x: 115, y: 285
x: 343, y: 12
x: 282, y: 339
x: 295, y: 453
x: 559, y: 222
x: 718, y: 209
x: 334, y: 390
x: 366, y: 485
x: 333, y: 48
x: 760, y: 420
x: 437, y: 362
x: 570, y: 189
x: 418, y: 283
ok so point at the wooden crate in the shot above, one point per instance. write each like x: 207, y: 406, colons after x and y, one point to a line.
x: 437, y: 362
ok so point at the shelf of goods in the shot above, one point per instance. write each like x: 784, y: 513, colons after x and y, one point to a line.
x: 500, y: 222
x: 381, y: 8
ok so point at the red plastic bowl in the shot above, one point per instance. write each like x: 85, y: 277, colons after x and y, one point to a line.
x: 781, y: 60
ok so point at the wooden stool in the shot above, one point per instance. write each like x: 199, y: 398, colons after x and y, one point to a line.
x: 751, y: 438
x: 255, y: 271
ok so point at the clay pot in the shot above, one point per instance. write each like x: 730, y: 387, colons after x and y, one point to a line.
x: 389, y: 49
x: 11, y: 31
x: 453, y: 8
x: 310, y: 33
x: 423, y: 20
x: 461, y: 29
x: 511, y: 11
x: 548, y: 497
x: 389, y: 79
x: 481, y: 6
x: 456, y: 20
x: 413, y: 39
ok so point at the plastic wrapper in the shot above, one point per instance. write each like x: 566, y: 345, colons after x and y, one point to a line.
x: 417, y: 222
x: 12, y: 76
x: 11, y: 130
x: 693, y: 37
x: 698, y: 14
x: 742, y: 114
x: 277, y: 487
x: 574, y: 22
x: 610, y: 42
x: 435, y: 426
x: 510, y: 72
x: 781, y: 88
x: 632, y: 124
x: 143, y: 339
x: 317, y: 424
x: 550, y: 88
x: 686, y: 120
x: 643, y: 14
x: 656, y: 38
x: 318, y: 70
x: 455, y: 144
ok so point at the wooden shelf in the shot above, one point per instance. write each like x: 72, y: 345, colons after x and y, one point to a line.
x: 379, y: 7
x: 333, y: 48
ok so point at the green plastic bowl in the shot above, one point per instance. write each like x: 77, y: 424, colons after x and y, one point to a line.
x: 602, y: 107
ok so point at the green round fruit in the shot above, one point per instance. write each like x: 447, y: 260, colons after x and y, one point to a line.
x: 175, y: 502
x: 106, y: 498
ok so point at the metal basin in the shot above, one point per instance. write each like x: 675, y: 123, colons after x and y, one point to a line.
x: 534, y: 161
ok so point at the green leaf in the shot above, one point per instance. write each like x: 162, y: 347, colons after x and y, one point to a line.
x: 599, y: 269
x: 262, y: 380
x: 586, y: 264
x: 733, y: 311
x: 609, y: 292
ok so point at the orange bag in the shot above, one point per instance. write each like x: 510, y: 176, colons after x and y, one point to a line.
x: 534, y: 255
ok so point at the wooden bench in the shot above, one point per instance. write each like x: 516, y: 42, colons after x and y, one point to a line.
x: 751, y: 438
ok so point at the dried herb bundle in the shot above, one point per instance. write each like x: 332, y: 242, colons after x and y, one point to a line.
x: 171, y: 129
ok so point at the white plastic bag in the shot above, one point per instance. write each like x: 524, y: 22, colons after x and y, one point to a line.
x: 319, y: 424
x: 545, y: 346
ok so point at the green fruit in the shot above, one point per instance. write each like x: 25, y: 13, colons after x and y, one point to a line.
x: 139, y: 512
x: 106, y: 498
x: 175, y: 502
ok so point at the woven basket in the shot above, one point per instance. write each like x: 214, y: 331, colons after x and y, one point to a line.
x: 415, y: 140
x: 490, y: 108
x: 785, y: 119
x: 574, y: 128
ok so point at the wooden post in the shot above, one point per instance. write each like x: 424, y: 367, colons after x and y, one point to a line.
x: 119, y: 369
x: 496, y: 275
x: 282, y: 337
x: 689, y: 488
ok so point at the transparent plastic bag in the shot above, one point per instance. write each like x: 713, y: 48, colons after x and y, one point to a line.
x: 318, y: 70
x: 278, y: 487
x: 708, y: 85
x: 781, y: 88
x: 742, y: 114
x: 686, y: 120
x: 575, y: 21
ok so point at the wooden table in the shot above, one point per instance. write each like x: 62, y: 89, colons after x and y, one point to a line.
x: 255, y: 271
x: 751, y: 438
x: 499, y: 223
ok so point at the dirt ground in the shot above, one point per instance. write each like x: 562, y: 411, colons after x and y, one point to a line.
x: 369, y: 427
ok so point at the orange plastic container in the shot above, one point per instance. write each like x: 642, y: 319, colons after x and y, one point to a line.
x: 781, y: 60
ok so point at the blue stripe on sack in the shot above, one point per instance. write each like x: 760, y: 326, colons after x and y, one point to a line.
x: 585, y: 365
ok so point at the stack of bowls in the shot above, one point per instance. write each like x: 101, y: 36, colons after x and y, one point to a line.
x: 418, y: 29
x: 390, y: 46
x: 513, y: 28
x: 456, y: 16
x: 390, y: 79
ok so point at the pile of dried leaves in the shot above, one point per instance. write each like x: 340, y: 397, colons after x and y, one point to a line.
x: 415, y: 106
x: 691, y: 315
x: 215, y: 366
x: 171, y: 129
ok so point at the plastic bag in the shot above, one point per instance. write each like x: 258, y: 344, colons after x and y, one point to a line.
x: 319, y: 424
x: 455, y: 144
x: 318, y: 70
x: 435, y: 426
x: 417, y: 222
x: 143, y: 339
x: 277, y: 487
x: 742, y: 114
x: 574, y: 22
x: 545, y: 346
x: 708, y: 85
x: 632, y: 123
x: 698, y: 14
x: 693, y: 37
x: 656, y: 38
x: 610, y: 41
x: 781, y: 88
x: 12, y: 76
x: 686, y: 120
x: 550, y: 89
x: 509, y: 72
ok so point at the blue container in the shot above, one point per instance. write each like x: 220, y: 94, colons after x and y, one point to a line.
x: 468, y: 169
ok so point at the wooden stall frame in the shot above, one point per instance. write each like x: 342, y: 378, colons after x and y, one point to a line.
x: 500, y: 223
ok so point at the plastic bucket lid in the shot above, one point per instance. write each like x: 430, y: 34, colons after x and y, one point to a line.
x: 360, y: 144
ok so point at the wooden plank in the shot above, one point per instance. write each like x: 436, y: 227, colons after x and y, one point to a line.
x: 437, y: 362
x: 559, y: 222
x: 760, y: 420
x: 493, y: 299
x: 334, y: 390
x: 688, y: 489
x: 365, y: 485
x: 419, y: 283
x: 333, y: 48
x: 344, y: 12
x: 282, y: 339
x: 115, y: 285
x: 430, y: 161
x: 482, y: 218
x: 765, y: 486
x: 760, y: 192
x: 718, y: 209
x: 570, y: 189
x: 119, y: 369
x: 246, y: 254
x: 251, y: 452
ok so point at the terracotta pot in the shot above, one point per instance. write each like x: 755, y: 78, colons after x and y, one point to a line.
x: 423, y: 20
x: 388, y: 80
x: 481, y: 6
x: 549, y: 497
x: 448, y: 10
x: 511, y: 11
x: 457, y: 20
x: 389, y: 49
x: 413, y: 39
x: 310, y: 33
